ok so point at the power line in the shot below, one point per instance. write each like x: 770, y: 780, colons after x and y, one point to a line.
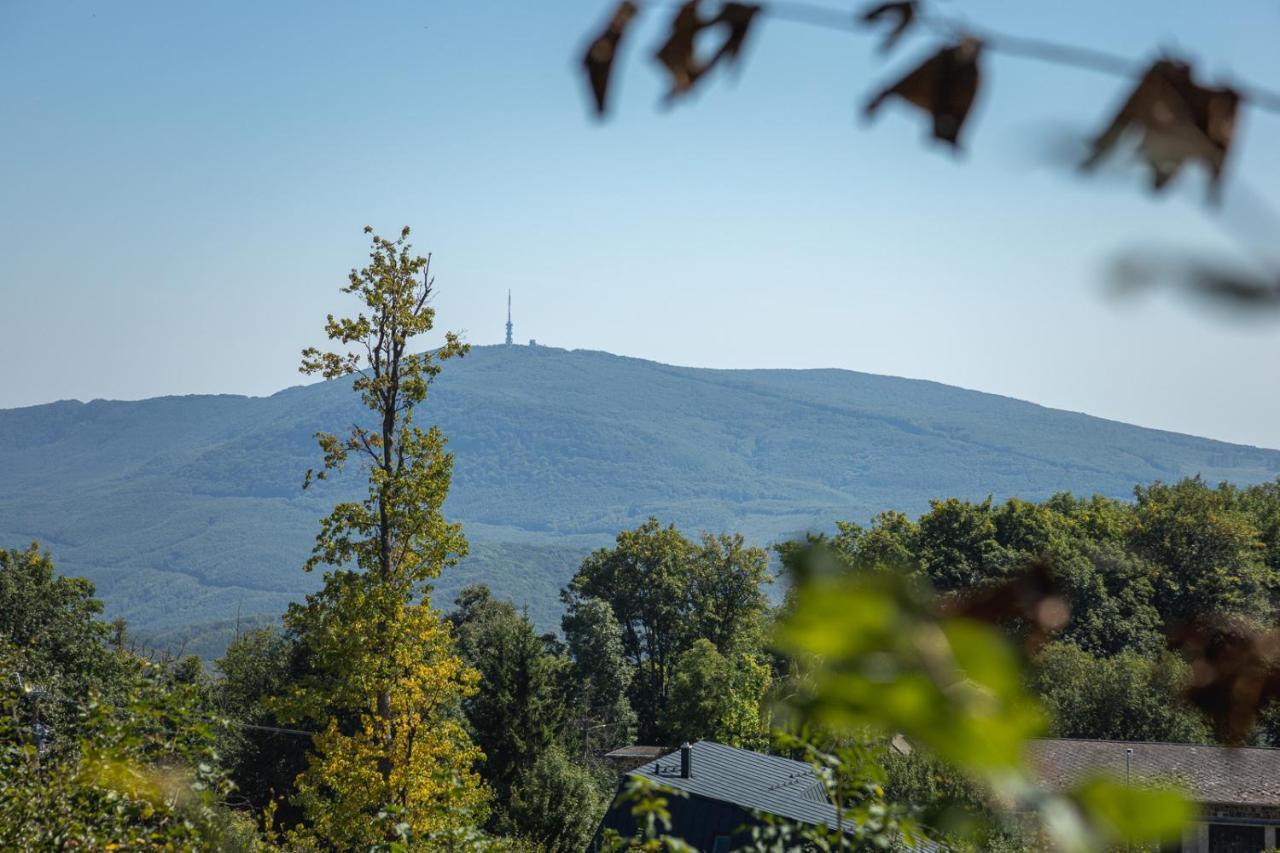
x: 1025, y: 47
x: 256, y: 727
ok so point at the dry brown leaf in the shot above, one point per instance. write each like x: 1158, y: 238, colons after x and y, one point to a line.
x: 944, y: 86
x: 1235, y: 672
x: 1031, y: 600
x: 678, y: 54
x: 1178, y: 120
x: 602, y: 52
x: 901, y: 16
x: 737, y: 17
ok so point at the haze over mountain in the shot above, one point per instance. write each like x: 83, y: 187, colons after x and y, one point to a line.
x: 188, y: 511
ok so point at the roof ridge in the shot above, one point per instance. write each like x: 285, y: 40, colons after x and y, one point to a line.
x: 1153, y: 743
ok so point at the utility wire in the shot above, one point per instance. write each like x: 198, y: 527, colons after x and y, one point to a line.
x: 1043, y: 50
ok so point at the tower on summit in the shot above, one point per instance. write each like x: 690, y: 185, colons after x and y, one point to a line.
x: 509, y: 318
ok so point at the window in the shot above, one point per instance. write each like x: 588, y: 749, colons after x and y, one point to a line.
x: 1229, y: 838
x: 721, y: 845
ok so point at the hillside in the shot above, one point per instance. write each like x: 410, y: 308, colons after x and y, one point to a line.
x: 188, y: 510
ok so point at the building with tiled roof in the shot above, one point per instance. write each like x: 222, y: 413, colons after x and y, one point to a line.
x: 1238, y: 789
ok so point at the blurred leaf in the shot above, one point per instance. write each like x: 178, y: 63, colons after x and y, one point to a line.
x: 1133, y: 813
x: 1031, y: 598
x: 900, y: 16
x: 1235, y: 672
x: 944, y: 86
x: 602, y: 52
x: 1238, y: 288
x: 1177, y: 120
x: 678, y: 54
x: 878, y: 655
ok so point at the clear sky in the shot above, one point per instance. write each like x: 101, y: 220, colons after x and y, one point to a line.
x: 182, y: 188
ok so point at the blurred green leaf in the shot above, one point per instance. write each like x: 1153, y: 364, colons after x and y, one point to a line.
x: 1134, y: 813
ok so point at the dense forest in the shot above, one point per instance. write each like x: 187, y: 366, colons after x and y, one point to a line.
x: 374, y: 716
x: 666, y: 638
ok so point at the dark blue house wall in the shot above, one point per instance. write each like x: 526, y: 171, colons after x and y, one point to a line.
x: 697, y: 820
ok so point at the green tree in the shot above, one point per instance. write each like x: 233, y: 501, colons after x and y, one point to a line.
x: 957, y: 545
x: 892, y: 541
x: 52, y: 623
x: 1112, y: 597
x: 1124, y: 697
x: 666, y: 593
x: 382, y: 670
x: 518, y: 714
x: 644, y: 579
x: 1262, y: 504
x: 599, y: 675
x: 726, y: 591
x: 1209, y: 552
x: 717, y: 697
x: 557, y: 804
x: 263, y: 762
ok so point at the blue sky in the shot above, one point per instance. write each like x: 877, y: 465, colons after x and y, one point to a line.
x: 184, y: 186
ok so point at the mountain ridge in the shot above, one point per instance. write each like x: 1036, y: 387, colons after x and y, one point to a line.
x: 187, y: 509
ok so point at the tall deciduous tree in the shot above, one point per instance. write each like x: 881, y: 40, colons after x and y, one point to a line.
x: 1210, y: 555
x: 666, y: 593
x: 644, y: 580
x: 718, y: 697
x: 384, y: 676
x: 726, y: 592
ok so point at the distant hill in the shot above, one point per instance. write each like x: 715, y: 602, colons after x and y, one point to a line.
x: 187, y: 511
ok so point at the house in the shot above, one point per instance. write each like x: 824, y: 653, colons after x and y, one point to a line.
x: 1238, y: 789
x: 726, y: 787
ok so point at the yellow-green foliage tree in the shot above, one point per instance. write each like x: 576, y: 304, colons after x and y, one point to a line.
x: 381, y: 675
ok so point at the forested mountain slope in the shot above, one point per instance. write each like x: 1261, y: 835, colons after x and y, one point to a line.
x: 189, y: 509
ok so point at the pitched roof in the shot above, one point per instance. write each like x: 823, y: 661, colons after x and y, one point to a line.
x: 752, y: 780
x: 1211, y: 774
x: 649, y: 752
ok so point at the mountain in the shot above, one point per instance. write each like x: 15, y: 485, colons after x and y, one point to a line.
x: 187, y: 512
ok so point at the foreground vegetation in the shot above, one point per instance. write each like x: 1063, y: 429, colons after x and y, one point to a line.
x: 370, y: 719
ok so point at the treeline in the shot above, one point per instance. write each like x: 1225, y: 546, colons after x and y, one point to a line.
x: 1133, y: 574
x: 664, y: 639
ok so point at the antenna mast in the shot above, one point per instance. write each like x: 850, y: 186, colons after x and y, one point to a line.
x: 508, y: 318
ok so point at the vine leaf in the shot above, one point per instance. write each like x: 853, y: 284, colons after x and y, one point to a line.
x: 1178, y: 120
x: 944, y: 86
x: 602, y: 51
x: 901, y: 15
x: 678, y: 54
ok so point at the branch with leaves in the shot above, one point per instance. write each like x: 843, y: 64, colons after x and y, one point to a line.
x: 1176, y: 117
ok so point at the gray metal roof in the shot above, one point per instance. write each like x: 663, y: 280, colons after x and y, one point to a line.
x: 1211, y: 774
x: 752, y: 780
